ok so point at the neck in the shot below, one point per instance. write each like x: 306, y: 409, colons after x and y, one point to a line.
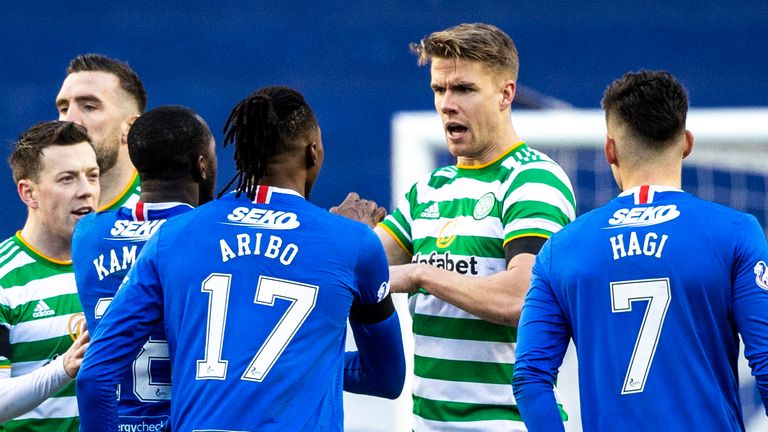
x: 159, y: 191
x: 658, y: 175
x: 288, y: 173
x: 114, y: 181
x: 47, y: 243
x: 298, y: 186
x: 503, y: 140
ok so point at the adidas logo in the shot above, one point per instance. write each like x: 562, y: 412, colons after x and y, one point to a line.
x: 42, y: 310
x: 431, y: 212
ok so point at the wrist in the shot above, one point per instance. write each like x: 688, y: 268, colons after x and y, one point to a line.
x: 59, y: 364
x: 419, y: 276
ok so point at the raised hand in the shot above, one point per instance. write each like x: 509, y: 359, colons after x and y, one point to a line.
x: 361, y: 210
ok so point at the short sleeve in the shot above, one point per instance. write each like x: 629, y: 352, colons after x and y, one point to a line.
x: 398, y: 223
x: 538, y: 201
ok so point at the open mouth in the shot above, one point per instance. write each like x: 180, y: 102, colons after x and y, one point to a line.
x: 455, y: 129
x: 82, y: 211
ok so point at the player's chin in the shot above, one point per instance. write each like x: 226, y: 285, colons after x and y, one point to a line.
x: 459, y: 148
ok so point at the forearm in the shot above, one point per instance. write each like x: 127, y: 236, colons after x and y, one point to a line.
x: 19, y: 395
x: 378, y: 367
x: 497, y: 298
x: 537, y: 404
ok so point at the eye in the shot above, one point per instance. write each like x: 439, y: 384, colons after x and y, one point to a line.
x: 63, y: 109
x: 89, y: 107
x: 462, y: 89
x: 66, y: 179
x: 438, y: 90
x: 93, y: 176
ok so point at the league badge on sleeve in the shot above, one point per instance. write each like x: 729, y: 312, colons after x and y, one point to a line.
x: 383, y: 291
x: 761, y: 276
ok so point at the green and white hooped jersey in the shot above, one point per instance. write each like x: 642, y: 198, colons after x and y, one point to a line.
x: 459, y: 219
x: 128, y: 197
x: 40, y: 316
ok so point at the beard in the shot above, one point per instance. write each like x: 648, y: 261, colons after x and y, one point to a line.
x: 106, y: 154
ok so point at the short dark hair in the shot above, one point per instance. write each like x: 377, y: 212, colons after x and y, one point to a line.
x: 25, y: 159
x: 128, y: 79
x: 484, y: 43
x: 652, y: 103
x: 164, y: 142
x: 265, y: 124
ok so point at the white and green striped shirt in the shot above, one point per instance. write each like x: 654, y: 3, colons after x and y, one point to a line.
x: 459, y: 219
x: 128, y: 197
x: 40, y: 316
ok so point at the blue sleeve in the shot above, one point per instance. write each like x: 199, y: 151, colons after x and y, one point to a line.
x: 750, y: 301
x: 80, y: 266
x: 378, y: 367
x: 542, y: 340
x: 134, y: 312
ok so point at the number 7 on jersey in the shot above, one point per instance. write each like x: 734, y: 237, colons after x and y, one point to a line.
x: 302, y: 297
x: 656, y: 292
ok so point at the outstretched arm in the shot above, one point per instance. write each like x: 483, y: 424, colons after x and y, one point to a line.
x: 378, y: 367
x: 497, y: 298
x: 21, y: 394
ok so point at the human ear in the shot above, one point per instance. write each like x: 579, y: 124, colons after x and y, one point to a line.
x: 311, y: 155
x: 27, y: 190
x: 688, y: 144
x: 508, y: 90
x: 125, y: 126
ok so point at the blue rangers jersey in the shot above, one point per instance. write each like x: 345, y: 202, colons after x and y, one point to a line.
x: 255, y: 297
x: 655, y: 289
x: 104, y: 247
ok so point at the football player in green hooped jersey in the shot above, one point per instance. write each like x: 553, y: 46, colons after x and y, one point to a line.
x: 105, y: 96
x: 463, y: 240
x: 57, y: 177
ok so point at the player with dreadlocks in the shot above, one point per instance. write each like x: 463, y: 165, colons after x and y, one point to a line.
x: 273, y: 279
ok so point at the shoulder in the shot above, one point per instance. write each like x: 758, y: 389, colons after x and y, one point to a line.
x: 528, y: 163
x: 435, y: 179
x: 178, y: 223
x: 723, y: 216
x: 13, y: 256
x: 578, y: 229
x: 91, y: 226
x: 340, y: 225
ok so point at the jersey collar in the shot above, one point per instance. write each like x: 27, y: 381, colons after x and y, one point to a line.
x: 645, y: 194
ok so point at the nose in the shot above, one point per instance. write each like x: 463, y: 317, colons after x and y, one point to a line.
x: 87, y: 188
x: 446, y: 104
x: 72, y: 115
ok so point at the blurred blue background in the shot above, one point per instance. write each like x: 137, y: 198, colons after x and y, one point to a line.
x: 351, y: 61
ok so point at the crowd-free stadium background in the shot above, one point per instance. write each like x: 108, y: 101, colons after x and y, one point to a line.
x: 351, y: 61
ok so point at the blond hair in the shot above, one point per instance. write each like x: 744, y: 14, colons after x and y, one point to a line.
x: 484, y: 43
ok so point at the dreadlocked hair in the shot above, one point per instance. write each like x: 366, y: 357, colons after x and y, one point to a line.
x: 261, y: 126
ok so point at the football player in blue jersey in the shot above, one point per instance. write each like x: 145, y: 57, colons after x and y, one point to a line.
x: 254, y: 290
x: 654, y: 288
x: 174, y: 153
